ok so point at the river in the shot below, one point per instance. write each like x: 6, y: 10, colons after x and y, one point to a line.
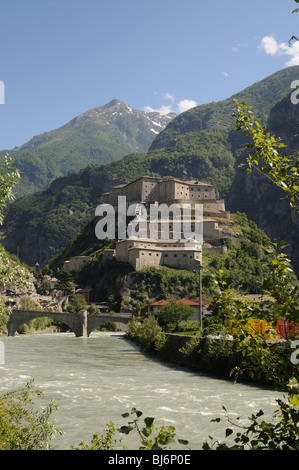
x: 95, y: 380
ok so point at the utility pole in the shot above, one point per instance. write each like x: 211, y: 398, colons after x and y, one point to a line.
x: 199, y: 270
x: 200, y: 297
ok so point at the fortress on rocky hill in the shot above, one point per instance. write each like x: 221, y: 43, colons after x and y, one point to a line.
x: 148, y: 189
x: 176, y: 252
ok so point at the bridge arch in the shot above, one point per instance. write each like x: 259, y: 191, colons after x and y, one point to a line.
x: 81, y: 323
x: 77, y: 323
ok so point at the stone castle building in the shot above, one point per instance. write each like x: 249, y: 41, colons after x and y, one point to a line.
x: 142, y: 253
x: 148, y: 189
x: 179, y: 252
x: 182, y: 254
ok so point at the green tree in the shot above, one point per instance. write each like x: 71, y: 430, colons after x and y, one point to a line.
x: 282, y: 171
x: 93, y: 310
x: 10, y: 270
x: 9, y: 177
x: 264, y: 360
x: 273, y: 361
x: 77, y: 304
x: 65, y: 282
x: 148, y: 335
x: 170, y: 315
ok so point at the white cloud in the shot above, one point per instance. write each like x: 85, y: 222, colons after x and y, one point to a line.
x: 176, y: 106
x: 169, y: 97
x: 184, y: 105
x: 162, y: 110
x: 273, y: 48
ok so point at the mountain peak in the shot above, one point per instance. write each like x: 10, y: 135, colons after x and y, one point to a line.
x: 114, y: 102
x: 116, y: 110
x: 97, y: 136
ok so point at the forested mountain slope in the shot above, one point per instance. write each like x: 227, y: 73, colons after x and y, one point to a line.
x: 98, y: 136
x: 202, y: 143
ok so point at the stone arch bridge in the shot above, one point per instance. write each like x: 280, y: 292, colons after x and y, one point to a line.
x: 81, y: 323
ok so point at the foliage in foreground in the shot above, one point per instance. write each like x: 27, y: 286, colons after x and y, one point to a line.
x: 105, y: 441
x: 280, y: 434
x: 22, y: 427
x: 150, y: 436
x: 281, y: 170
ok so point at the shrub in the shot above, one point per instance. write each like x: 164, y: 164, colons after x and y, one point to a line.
x: 148, y: 335
x: 22, y: 426
x: 77, y: 304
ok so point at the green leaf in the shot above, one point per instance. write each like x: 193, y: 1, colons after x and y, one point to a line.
x: 206, y: 446
x: 149, y: 421
x: 183, y: 442
x: 126, y: 429
x: 294, y: 399
x: 146, y: 432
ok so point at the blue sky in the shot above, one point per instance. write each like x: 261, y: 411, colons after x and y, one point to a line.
x: 59, y: 58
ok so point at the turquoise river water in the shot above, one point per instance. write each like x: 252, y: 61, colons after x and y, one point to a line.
x: 95, y: 380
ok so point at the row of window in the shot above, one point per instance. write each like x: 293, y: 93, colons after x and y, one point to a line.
x: 166, y: 255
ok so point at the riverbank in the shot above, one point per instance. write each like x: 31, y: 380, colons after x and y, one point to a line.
x: 215, y: 356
